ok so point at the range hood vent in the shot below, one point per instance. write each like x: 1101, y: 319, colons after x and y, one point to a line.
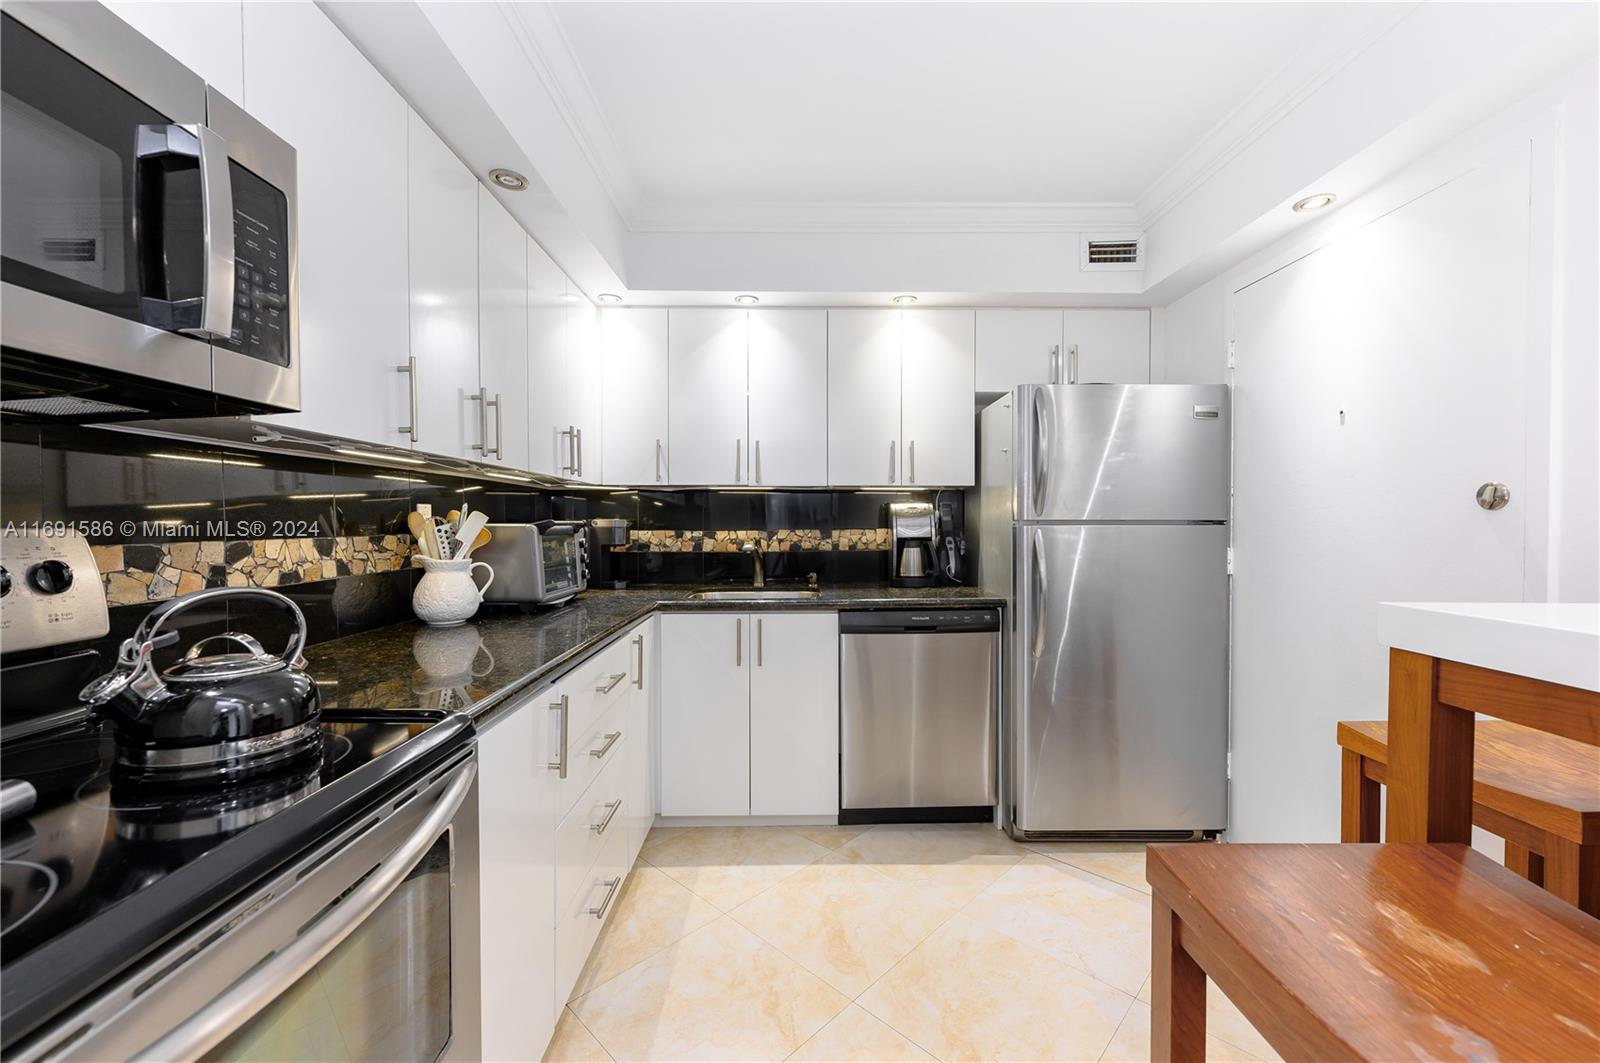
x: 1108, y: 251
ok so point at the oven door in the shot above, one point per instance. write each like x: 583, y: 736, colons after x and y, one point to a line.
x: 365, y: 949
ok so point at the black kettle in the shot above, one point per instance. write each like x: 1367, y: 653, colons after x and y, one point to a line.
x: 210, y: 717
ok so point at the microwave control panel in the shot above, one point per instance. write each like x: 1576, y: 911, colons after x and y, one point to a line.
x: 261, y: 268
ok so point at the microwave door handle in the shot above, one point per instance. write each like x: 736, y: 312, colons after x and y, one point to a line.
x: 242, y: 1001
x: 216, y: 200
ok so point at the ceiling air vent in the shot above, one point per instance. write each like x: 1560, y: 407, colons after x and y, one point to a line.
x: 1120, y: 251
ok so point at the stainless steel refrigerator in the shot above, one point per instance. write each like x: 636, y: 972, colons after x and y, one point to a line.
x: 1103, y: 519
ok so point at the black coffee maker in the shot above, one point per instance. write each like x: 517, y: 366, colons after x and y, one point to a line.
x: 605, y: 533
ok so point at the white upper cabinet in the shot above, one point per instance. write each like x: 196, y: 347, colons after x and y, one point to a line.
x: 634, y: 353
x: 585, y: 383
x: 788, y: 398
x: 864, y: 397
x: 1113, y: 345
x: 709, y: 360
x: 205, y: 37
x: 353, y: 286
x: 547, y: 364
x: 443, y: 217
x: 502, y: 334
x: 937, y: 410
x: 1017, y: 347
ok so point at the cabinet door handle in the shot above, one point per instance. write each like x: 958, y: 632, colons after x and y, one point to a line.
x: 559, y: 765
x: 611, y: 740
x: 891, y: 461
x: 499, y: 426
x: 608, y: 687
x: 611, y: 813
x: 1072, y: 364
x: 758, y: 461
x: 571, y: 466
x: 410, y: 369
x: 482, y: 399
x: 761, y: 648
x: 911, y: 461
x: 639, y: 642
x: 658, y: 461
x: 577, y: 441
x: 1055, y: 364
x: 738, y: 642
x: 611, y: 891
x: 738, y: 460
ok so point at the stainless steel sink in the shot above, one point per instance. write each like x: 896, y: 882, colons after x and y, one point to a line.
x: 755, y: 596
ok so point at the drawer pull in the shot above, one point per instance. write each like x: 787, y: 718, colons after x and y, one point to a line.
x: 611, y: 891
x: 611, y: 740
x: 559, y: 765
x: 606, y: 688
x: 611, y: 813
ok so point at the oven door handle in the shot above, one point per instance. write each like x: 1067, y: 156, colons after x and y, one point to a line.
x: 214, y: 1022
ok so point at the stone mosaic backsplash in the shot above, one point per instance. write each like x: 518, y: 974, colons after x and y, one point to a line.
x: 141, y: 573
x: 668, y: 541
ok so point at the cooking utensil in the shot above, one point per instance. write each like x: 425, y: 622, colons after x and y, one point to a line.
x: 420, y: 533
x: 468, y: 533
x: 211, y: 716
x: 482, y: 540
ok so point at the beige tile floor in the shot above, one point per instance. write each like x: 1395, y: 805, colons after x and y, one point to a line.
x: 882, y: 943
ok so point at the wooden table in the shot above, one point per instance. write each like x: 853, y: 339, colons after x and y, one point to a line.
x: 1539, y: 792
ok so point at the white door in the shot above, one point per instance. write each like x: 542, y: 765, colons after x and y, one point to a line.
x: 864, y: 397
x: 584, y: 383
x: 502, y: 333
x: 516, y: 882
x: 634, y: 355
x: 443, y: 223
x: 937, y: 399
x: 1380, y: 381
x: 548, y: 408
x: 788, y: 398
x: 1113, y: 345
x: 1017, y: 347
x: 710, y: 385
x: 353, y: 288
x: 705, y: 714
x: 794, y: 715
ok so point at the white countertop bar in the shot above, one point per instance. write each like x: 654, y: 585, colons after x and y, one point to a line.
x: 1555, y: 641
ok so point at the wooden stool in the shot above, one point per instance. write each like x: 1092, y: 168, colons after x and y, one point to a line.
x: 1418, y: 948
x: 1539, y: 792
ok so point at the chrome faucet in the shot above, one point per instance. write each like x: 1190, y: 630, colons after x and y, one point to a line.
x: 759, y: 548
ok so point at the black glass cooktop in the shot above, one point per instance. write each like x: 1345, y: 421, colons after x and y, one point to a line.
x: 97, y: 873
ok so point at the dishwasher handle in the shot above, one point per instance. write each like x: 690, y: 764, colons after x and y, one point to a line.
x: 918, y: 621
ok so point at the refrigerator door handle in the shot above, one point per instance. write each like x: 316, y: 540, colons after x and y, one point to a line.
x: 1037, y: 596
x: 1038, y: 474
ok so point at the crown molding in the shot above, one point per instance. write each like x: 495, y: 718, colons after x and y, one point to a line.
x: 537, y: 31
x: 699, y: 217
x: 1351, y: 30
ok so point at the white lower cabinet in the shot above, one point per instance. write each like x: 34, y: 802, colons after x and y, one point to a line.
x: 517, y: 881
x: 749, y: 714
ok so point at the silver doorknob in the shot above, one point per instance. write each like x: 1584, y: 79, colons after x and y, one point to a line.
x: 1493, y: 495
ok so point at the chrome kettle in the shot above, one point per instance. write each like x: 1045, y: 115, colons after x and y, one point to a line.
x: 210, y: 717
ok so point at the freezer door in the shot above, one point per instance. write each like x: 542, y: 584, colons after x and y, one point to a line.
x: 1105, y: 452
x: 1121, y: 678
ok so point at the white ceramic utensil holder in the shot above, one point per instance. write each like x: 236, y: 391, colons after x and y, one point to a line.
x: 446, y: 594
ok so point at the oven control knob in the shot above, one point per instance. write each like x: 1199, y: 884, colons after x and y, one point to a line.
x: 5, y: 582
x: 50, y: 577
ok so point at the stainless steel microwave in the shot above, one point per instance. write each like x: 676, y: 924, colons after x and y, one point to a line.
x: 148, y: 232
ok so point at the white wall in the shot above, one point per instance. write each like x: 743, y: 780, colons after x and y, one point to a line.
x: 1285, y: 782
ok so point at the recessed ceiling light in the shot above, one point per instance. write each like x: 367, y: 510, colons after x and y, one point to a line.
x: 609, y: 297
x: 904, y: 300
x: 508, y: 179
x: 1315, y: 202
x: 748, y: 300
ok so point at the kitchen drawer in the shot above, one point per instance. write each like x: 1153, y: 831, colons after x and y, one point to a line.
x: 578, y: 841
x: 581, y: 921
x: 589, y: 750
x: 599, y: 684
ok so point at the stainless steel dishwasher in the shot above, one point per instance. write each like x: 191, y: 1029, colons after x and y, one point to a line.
x: 917, y: 701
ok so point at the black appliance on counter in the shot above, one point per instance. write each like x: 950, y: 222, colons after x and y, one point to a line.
x: 925, y: 545
x: 166, y: 913
x: 605, y: 533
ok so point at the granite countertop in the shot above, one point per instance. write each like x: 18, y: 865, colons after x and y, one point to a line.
x: 503, y: 651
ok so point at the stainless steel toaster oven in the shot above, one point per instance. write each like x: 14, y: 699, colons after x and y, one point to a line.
x: 536, y: 564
